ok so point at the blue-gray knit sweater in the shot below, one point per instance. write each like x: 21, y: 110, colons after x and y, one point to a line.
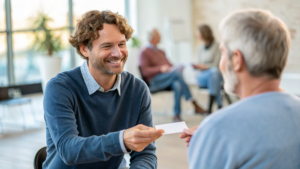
x: 82, y: 130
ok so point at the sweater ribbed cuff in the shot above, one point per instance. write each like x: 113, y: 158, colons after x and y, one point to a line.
x: 121, y: 140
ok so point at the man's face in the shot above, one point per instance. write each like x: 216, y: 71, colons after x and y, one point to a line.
x: 109, y: 52
x: 156, y: 38
x: 226, y: 68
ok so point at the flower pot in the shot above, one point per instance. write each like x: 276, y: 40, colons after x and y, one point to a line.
x: 49, y: 67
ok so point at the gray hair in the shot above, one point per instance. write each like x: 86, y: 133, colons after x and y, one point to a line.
x: 262, y: 38
x: 151, y: 34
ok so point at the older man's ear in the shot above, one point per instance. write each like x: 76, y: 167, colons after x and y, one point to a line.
x: 237, y: 61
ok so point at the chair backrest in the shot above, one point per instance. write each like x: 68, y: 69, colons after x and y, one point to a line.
x: 11, y: 92
x: 143, y: 78
x: 39, y: 158
x: 4, y: 93
x: 151, y: 91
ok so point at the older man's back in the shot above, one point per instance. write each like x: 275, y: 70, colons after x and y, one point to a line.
x: 261, y: 131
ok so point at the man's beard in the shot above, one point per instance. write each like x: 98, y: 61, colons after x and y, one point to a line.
x: 101, y: 65
x: 230, y: 78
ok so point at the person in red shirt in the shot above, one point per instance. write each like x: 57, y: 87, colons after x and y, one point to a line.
x: 160, y: 74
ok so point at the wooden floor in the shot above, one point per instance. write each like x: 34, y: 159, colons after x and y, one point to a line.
x: 18, y: 147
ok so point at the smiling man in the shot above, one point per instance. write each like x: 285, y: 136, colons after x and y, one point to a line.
x: 96, y: 113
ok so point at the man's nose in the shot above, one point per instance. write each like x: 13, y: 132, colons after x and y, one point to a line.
x: 116, y: 52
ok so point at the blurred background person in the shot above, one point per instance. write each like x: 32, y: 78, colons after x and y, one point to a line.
x: 208, y: 57
x: 262, y: 129
x: 160, y: 74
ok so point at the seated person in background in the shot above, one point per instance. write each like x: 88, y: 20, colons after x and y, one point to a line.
x: 262, y: 130
x: 209, y: 76
x: 89, y: 109
x: 161, y: 74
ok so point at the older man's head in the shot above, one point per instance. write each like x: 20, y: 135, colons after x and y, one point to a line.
x: 253, y: 41
x: 154, y: 37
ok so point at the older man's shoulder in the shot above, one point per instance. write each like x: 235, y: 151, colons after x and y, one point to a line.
x: 256, y: 108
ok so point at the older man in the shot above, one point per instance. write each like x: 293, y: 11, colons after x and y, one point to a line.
x: 96, y: 113
x: 160, y: 74
x: 262, y: 129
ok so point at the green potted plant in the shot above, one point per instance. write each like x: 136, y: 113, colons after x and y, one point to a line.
x: 135, y: 42
x: 46, y: 42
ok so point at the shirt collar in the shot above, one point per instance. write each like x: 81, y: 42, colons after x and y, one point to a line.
x: 207, y: 47
x: 91, y: 83
x: 149, y: 45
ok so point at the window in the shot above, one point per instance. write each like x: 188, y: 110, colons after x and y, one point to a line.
x: 2, y: 16
x: 3, y: 61
x: 81, y: 7
x: 24, y: 12
x: 25, y: 62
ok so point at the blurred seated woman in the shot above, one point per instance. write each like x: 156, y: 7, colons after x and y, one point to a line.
x: 208, y: 57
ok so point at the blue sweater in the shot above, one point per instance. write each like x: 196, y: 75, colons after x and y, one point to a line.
x: 82, y: 130
x: 261, y: 131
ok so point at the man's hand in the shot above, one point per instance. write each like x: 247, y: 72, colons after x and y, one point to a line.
x: 140, y: 136
x: 164, y: 68
x: 200, y: 66
x: 195, y: 66
x: 188, y: 133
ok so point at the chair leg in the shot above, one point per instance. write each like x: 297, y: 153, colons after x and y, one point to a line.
x: 2, y: 129
x: 33, y: 112
x: 168, y: 103
x: 23, y: 117
x: 4, y: 110
x: 227, y: 98
x: 211, y: 102
x: 1, y: 124
x: 166, y: 106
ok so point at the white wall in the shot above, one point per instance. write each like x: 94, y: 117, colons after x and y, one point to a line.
x: 212, y: 12
x: 153, y: 13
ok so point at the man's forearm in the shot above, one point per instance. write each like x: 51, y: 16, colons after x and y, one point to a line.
x: 150, y: 71
x: 78, y: 150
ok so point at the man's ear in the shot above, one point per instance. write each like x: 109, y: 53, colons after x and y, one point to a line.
x: 237, y: 61
x: 84, y: 50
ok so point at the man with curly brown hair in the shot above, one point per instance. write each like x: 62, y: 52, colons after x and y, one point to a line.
x: 96, y: 113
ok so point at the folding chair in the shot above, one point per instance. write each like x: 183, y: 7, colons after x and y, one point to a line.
x: 39, y: 158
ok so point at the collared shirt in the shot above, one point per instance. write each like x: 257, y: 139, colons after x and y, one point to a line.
x: 93, y: 86
x: 149, y: 45
x: 91, y: 83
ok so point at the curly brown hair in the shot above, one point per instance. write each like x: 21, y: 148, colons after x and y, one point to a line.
x: 87, y: 28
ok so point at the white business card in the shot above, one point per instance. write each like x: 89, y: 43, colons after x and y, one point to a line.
x: 172, y: 128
